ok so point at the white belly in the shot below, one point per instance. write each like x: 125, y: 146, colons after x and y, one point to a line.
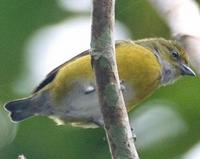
x: 81, y: 105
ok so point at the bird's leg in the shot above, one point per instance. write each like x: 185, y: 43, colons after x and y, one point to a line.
x: 122, y: 86
x: 97, y: 121
x: 133, y: 134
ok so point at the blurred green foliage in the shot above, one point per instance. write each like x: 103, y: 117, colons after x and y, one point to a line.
x: 40, y: 138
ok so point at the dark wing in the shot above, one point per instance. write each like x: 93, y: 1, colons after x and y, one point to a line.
x: 50, y: 76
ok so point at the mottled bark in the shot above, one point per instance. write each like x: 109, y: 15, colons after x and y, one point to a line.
x: 110, y: 96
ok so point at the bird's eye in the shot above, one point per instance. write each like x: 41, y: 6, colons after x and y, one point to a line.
x: 175, y: 55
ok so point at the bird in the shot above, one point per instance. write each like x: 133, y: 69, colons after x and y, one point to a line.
x: 68, y: 94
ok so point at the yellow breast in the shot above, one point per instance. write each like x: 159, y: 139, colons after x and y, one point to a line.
x: 136, y: 65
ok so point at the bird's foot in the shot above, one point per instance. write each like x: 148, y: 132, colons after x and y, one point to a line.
x: 133, y: 134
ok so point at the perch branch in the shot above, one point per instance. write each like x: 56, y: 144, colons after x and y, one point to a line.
x: 116, y: 122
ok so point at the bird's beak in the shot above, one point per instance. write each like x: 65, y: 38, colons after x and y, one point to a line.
x: 186, y: 70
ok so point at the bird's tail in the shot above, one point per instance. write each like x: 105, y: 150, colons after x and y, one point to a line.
x: 20, y: 109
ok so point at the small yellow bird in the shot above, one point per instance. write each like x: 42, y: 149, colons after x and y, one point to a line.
x: 68, y: 93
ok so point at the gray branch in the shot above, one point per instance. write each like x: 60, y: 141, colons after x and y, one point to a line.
x: 116, y: 122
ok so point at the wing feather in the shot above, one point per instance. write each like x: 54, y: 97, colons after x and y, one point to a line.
x: 51, y: 76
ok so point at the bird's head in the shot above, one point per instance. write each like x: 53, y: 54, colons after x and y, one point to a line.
x: 172, y: 58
